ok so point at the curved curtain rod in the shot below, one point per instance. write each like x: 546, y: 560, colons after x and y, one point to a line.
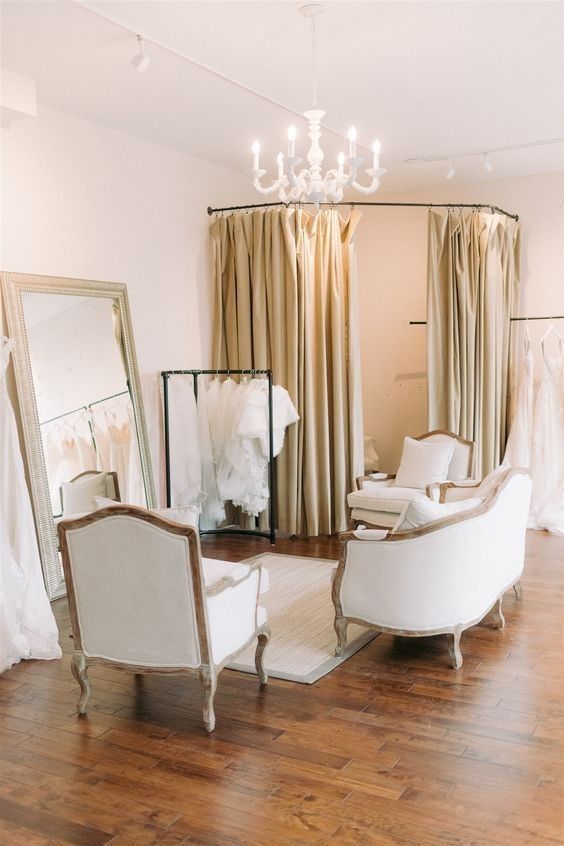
x: 353, y: 205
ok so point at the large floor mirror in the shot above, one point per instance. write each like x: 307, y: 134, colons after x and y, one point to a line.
x: 80, y: 401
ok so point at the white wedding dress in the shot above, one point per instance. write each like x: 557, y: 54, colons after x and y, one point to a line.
x: 27, y: 625
x: 547, y: 502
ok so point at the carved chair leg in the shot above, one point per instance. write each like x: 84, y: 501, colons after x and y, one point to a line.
x: 497, y: 615
x: 79, y: 670
x: 518, y: 588
x: 208, y: 678
x: 340, y: 624
x: 454, y: 649
x: 262, y: 643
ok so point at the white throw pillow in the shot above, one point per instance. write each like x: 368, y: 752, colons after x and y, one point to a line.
x: 422, y: 511
x: 78, y: 496
x: 186, y: 515
x: 423, y: 463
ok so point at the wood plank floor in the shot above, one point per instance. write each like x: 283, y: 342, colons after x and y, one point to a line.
x: 393, y: 748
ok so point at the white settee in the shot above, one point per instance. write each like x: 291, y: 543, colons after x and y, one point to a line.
x: 379, y: 502
x: 440, y: 578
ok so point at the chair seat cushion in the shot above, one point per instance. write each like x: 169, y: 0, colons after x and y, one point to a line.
x: 384, y: 496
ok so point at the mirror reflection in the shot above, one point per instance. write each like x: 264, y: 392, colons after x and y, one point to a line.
x: 86, y: 417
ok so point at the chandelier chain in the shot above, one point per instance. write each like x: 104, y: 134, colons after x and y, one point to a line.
x: 313, y: 62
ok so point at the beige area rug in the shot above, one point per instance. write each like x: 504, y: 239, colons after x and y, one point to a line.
x: 301, y: 614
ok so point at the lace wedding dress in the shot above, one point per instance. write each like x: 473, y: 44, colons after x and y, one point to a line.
x: 27, y: 625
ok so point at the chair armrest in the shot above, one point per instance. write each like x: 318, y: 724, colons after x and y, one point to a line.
x: 230, y: 581
x: 433, y: 491
x: 455, y: 491
x: 361, y: 479
x: 363, y: 534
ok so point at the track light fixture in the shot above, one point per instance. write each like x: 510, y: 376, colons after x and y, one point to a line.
x: 450, y: 170
x: 141, y: 61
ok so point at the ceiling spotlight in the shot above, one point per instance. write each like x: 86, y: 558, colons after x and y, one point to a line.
x: 140, y: 61
x: 488, y: 166
x: 450, y: 170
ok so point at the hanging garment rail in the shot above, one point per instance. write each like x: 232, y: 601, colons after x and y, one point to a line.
x: 512, y: 319
x: 354, y: 204
x: 83, y: 407
x: 166, y: 374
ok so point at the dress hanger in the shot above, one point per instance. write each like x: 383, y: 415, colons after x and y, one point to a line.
x: 552, y: 330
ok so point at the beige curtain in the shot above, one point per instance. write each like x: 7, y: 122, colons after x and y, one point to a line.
x: 472, y: 284
x: 285, y: 299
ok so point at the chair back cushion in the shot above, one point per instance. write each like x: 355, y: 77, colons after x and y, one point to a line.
x: 77, y: 496
x: 133, y: 592
x: 420, y: 512
x: 423, y: 463
x: 459, y: 467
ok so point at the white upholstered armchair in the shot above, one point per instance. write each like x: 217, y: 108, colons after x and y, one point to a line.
x: 436, y: 456
x: 439, y: 578
x: 141, y: 598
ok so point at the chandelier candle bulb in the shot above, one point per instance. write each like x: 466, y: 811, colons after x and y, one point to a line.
x: 291, y: 141
x: 376, y: 151
x: 256, y: 150
x: 352, y: 142
x: 280, y: 163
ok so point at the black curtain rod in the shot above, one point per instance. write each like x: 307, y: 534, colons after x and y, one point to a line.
x: 552, y: 317
x: 353, y: 205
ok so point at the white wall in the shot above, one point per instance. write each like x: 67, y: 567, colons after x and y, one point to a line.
x: 392, y: 249
x: 85, y: 201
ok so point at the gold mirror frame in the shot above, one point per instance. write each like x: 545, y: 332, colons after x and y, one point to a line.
x: 13, y: 286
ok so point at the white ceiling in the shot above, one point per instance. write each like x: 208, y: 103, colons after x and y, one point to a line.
x: 427, y: 78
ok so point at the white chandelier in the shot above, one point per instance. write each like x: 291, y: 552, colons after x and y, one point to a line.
x: 310, y: 185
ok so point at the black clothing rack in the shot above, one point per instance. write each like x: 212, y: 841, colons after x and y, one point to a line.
x: 166, y: 374
x: 353, y: 204
x: 512, y: 319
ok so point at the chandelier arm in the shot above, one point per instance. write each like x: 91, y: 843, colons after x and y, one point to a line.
x: 274, y: 186
x: 367, y: 189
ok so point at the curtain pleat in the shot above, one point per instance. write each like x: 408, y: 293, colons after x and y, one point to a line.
x: 472, y: 283
x: 286, y: 298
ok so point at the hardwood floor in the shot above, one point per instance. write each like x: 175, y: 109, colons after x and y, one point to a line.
x: 394, y: 748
